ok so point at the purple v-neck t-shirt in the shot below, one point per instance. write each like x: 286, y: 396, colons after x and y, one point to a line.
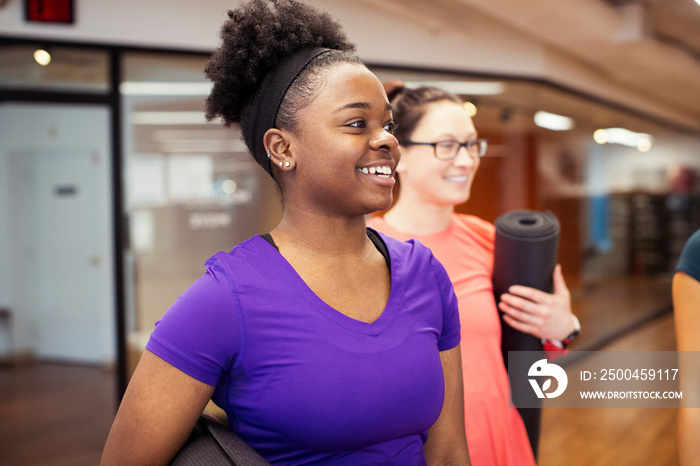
x: 303, y: 383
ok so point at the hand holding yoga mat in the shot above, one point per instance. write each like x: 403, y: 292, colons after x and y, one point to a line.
x: 525, y: 254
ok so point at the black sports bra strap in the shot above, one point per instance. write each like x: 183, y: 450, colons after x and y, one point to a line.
x: 269, y: 239
x: 371, y: 234
x: 379, y: 244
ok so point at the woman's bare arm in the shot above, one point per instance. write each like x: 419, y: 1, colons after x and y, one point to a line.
x: 686, y: 307
x: 447, y: 440
x: 159, y: 410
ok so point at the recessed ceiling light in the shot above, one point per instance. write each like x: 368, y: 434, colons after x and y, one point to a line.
x: 553, y: 122
x: 42, y: 57
x: 470, y: 108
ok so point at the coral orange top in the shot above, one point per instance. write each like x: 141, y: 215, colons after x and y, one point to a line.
x: 495, y: 432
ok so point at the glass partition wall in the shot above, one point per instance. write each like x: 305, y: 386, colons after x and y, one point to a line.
x: 191, y: 187
x: 42, y: 67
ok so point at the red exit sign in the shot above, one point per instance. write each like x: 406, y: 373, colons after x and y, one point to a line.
x: 49, y: 11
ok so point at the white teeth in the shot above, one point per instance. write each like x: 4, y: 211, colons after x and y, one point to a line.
x: 376, y: 170
x: 456, y: 178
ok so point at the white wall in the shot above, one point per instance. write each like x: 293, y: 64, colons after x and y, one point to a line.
x: 383, y: 32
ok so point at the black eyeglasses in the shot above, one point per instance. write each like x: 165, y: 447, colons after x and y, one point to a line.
x: 447, y: 150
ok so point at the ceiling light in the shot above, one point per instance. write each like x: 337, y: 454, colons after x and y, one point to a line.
x: 553, y: 121
x: 644, y: 144
x: 164, y: 88
x: 600, y: 136
x: 168, y: 118
x: 641, y: 141
x: 470, y: 108
x: 42, y: 57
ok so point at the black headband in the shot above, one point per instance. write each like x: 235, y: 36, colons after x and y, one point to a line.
x: 269, y: 98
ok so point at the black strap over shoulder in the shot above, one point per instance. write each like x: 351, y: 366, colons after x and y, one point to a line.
x: 212, y: 443
x: 371, y: 234
x: 267, y: 237
x: 380, y: 245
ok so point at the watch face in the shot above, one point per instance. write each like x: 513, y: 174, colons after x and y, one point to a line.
x: 577, y: 325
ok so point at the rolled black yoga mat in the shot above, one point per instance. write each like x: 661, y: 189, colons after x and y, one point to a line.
x: 526, y: 248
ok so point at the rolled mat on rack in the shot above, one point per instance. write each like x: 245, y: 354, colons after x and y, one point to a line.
x: 526, y: 248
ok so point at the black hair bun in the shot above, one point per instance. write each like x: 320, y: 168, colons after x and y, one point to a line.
x: 257, y: 35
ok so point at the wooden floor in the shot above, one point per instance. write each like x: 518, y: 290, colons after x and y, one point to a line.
x: 615, y: 436
x: 52, y: 414
x: 55, y: 414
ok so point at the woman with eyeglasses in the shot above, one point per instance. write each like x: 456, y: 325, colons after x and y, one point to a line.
x: 441, y: 152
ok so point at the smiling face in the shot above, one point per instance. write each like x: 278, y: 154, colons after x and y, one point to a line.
x: 343, y: 148
x: 424, y: 178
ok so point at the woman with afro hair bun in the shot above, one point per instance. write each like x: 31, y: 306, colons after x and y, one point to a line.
x: 323, y: 341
